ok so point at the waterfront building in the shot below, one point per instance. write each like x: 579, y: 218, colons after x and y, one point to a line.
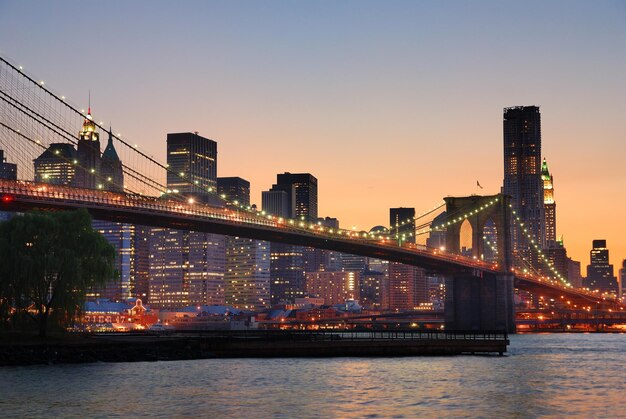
x: 373, y: 290
x: 333, y: 287
x: 8, y: 171
x: 407, y: 286
x: 436, y: 291
x: 600, y: 271
x: 88, y: 155
x: 522, y: 178
x: 56, y: 165
x: 186, y: 268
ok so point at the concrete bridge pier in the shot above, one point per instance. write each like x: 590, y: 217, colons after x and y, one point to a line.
x: 480, y: 301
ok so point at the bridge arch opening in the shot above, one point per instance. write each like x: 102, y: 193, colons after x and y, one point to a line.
x: 466, y: 236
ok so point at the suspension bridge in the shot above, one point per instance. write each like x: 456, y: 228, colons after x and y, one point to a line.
x: 33, y: 118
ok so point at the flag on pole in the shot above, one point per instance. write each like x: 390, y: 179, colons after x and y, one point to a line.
x: 478, y: 184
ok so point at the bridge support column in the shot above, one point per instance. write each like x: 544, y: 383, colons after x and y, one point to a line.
x: 480, y: 301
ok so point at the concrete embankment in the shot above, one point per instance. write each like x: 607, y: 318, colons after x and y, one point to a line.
x: 201, y: 345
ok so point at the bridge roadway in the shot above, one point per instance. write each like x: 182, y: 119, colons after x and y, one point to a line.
x: 157, y: 212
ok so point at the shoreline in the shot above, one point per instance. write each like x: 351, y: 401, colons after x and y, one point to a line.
x: 276, y: 344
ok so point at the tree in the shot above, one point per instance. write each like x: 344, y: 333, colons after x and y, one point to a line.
x: 48, y: 261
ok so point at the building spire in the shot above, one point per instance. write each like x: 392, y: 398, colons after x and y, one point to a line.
x: 89, y: 108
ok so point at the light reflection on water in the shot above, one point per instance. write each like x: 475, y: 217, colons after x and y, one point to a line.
x: 543, y: 375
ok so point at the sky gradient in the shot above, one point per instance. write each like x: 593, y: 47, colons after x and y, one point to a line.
x: 386, y: 103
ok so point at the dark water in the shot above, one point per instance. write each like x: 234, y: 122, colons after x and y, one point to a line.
x: 556, y: 375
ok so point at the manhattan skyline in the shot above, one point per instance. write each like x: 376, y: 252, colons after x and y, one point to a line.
x: 383, y: 107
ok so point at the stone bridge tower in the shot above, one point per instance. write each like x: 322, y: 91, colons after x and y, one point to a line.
x: 476, y: 299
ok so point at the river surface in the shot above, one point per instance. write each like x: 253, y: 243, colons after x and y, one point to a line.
x: 546, y: 375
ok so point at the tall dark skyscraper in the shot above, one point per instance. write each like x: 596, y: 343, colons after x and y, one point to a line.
x: 600, y: 272
x: 298, y: 192
x: 301, y: 189
x: 7, y: 170
x: 111, y: 171
x: 522, y: 177
x: 192, y: 163
x: 88, y: 155
x: 235, y: 189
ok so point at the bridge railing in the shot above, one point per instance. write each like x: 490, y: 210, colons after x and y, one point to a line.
x: 353, y: 335
x: 67, y: 194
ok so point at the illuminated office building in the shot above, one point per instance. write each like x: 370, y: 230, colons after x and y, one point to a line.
x: 88, y: 155
x: 333, y: 287
x: 522, y: 178
x: 600, y: 272
x: 56, y: 165
x: 549, y: 204
x: 247, y: 273
x: 8, y: 171
x: 192, y: 164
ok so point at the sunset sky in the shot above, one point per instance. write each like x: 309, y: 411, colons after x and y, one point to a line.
x: 386, y: 103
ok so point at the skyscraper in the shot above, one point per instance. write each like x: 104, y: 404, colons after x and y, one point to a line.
x: 88, y: 155
x: 301, y: 189
x: 277, y: 203
x: 522, y: 180
x: 56, y: 165
x: 549, y: 204
x: 7, y: 170
x: 111, y: 171
x: 247, y: 274
x: 295, y: 196
x: 187, y: 267
x: 192, y: 163
x: 600, y: 272
x: 234, y: 189
x: 407, y: 284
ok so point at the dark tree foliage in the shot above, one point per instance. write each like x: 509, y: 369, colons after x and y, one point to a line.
x: 48, y: 261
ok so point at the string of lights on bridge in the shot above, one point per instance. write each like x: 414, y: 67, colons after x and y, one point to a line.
x: 187, y: 178
x: 151, y: 183
x: 518, y: 222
